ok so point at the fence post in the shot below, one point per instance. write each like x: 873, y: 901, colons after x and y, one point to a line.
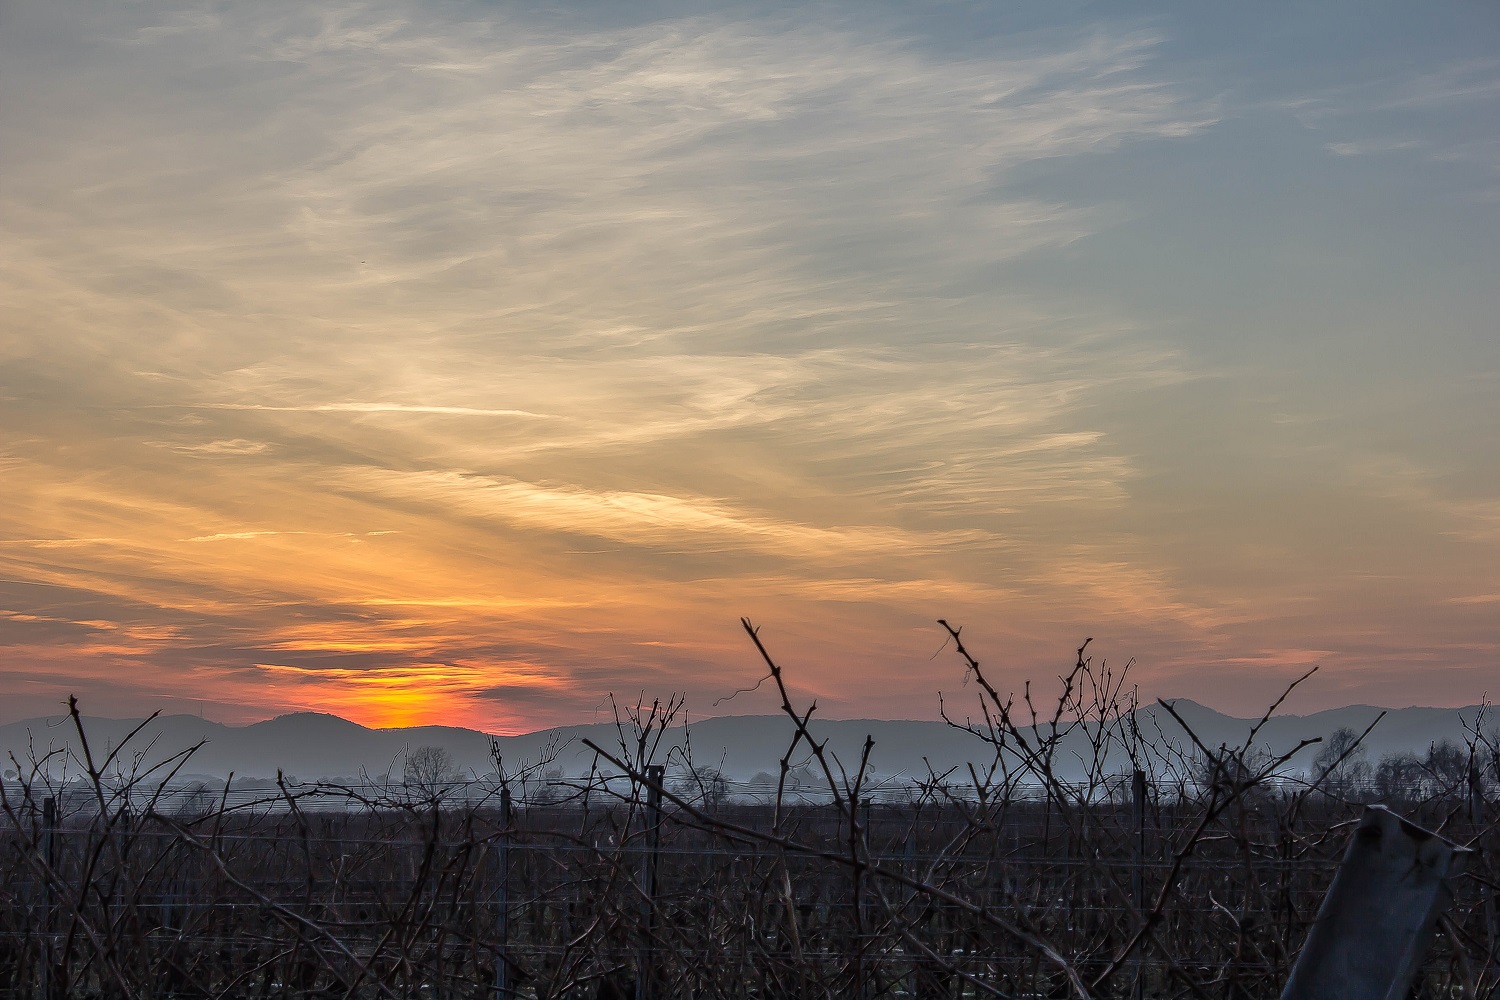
x: 1138, y: 873
x: 909, y: 867
x: 1476, y: 795
x: 49, y: 892
x: 168, y: 900
x: 502, y: 900
x: 655, y: 775
x: 861, y: 973
x: 1373, y: 929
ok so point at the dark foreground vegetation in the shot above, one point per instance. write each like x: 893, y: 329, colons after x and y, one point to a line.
x: 1171, y: 871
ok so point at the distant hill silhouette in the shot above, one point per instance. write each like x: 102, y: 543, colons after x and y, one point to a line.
x: 310, y: 746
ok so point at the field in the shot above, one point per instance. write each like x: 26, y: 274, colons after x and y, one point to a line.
x: 1196, y: 875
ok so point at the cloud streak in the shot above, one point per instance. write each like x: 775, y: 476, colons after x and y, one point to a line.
x: 367, y: 345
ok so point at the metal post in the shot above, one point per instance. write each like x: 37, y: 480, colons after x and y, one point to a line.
x: 1138, y: 874
x: 502, y: 900
x: 655, y: 774
x: 1375, y: 924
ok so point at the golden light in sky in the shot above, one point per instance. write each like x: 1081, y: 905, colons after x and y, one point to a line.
x: 466, y: 364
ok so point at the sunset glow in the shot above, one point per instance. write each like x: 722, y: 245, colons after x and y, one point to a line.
x: 467, y: 363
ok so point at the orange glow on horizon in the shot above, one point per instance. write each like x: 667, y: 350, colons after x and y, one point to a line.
x: 420, y: 695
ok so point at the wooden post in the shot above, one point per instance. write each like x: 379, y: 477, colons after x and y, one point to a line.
x: 909, y: 866
x: 655, y: 775
x: 49, y: 855
x: 861, y: 973
x: 1138, y: 873
x: 1476, y: 795
x: 502, y: 900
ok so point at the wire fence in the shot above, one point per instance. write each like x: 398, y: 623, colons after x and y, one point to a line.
x: 612, y: 896
x: 1195, y: 874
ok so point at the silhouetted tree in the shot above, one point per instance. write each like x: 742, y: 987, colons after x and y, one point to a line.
x: 1447, y: 766
x: 706, y: 785
x: 430, y: 770
x: 1341, y: 767
x: 1398, y: 776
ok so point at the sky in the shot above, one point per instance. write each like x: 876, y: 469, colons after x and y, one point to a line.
x: 471, y: 362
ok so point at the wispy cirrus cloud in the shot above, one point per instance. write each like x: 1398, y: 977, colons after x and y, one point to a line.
x: 1372, y: 147
x: 1460, y: 82
x: 709, y: 284
x: 417, y: 408
x: 231, y: 446
x: 702, y: 524
x: 1440, y: 114
x: 352, y: 344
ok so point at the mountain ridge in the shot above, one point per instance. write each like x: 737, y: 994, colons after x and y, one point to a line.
x: 323, y: 746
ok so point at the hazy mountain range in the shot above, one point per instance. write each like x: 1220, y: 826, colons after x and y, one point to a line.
x: 311, y: 746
